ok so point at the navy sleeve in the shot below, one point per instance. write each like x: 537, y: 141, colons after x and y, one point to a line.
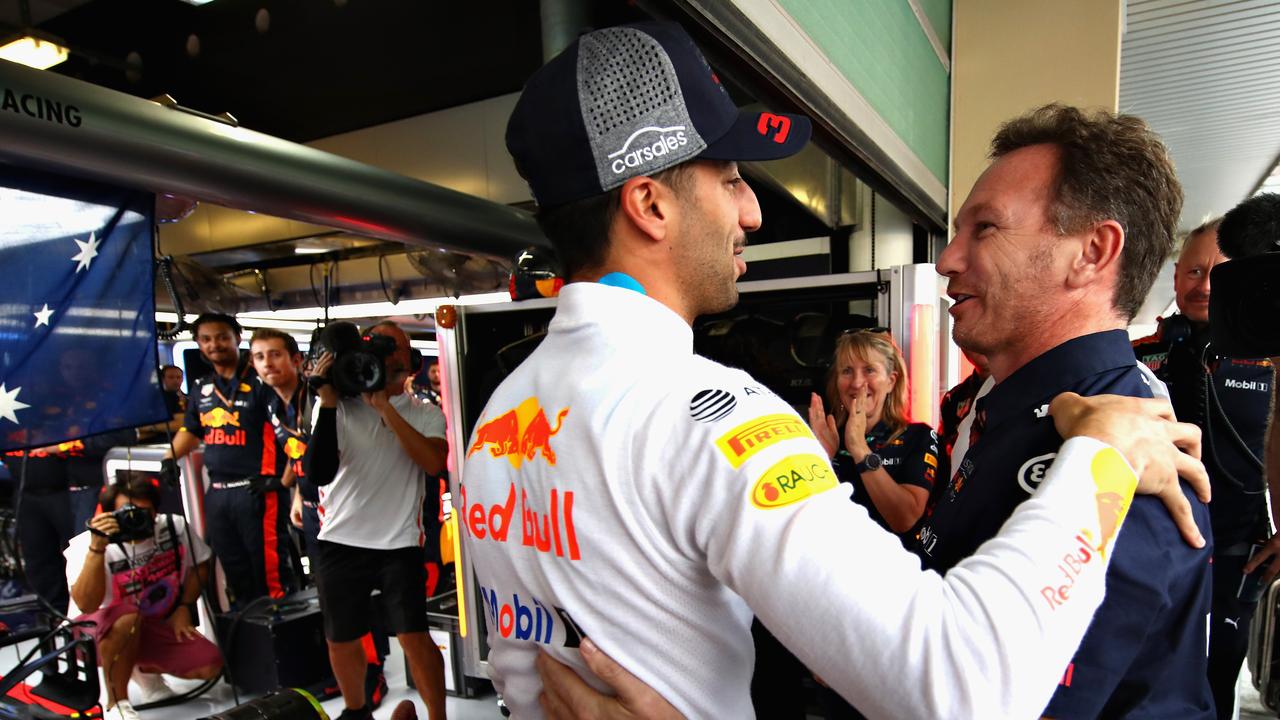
x: 321, y: 463
x: 919, y: 465
x: 191, y: 421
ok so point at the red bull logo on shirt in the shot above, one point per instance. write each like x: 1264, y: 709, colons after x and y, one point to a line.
x: 519, y: 434
x: 217, y: 421
x: 294, y: 448
x: 548, y: 531
x: 1115, y: 483
x: 220, y: 417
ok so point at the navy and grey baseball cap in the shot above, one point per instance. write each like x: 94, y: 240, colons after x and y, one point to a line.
x: 628, y: 101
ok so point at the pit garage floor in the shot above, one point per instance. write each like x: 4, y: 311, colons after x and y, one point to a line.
x: 482, y: 708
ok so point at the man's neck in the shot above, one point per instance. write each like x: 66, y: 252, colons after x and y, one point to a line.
x: 226, y: 372
x: 286, y: 391
x: 1004, y: 363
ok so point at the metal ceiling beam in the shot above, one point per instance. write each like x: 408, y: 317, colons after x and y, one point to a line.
x: 57, y: 123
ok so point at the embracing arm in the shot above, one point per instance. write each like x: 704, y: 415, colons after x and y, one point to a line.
x: 989, y: 640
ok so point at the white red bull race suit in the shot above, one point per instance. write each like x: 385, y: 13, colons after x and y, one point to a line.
x: 621, y: 488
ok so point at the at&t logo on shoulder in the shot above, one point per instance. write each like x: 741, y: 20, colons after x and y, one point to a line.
x: 669, y: 138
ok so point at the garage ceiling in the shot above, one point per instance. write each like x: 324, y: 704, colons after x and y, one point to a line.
x: 1206, y: 76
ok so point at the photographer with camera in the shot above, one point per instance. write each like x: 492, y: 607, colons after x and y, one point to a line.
x: 369, y: 450
x: 278, y: 361
x: 134, y: 574
x: 1228, y: 399
x: 228, y: 412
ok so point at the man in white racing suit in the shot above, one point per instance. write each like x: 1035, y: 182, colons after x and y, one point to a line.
x: 602, y: 496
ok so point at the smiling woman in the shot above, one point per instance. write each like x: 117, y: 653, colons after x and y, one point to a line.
x: 890, y: 461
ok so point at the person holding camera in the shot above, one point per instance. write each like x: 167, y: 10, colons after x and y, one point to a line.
x: 1229, y: 400
x: 368, y: 455
x: 135, y: 575
x: 278, y: 361
x: 228, y: 412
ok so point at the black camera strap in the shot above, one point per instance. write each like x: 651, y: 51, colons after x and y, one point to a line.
x: 1211, y: 408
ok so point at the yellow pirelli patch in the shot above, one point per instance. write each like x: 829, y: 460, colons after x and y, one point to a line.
x: 792, y: 479
x: 749, y: 438
x: 1115, y: 483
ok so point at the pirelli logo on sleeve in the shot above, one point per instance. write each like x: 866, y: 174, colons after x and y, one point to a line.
x: 749, y: 438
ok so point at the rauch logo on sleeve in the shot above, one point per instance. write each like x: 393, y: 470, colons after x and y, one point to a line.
x: 749, y: 438
x: 792, y: 479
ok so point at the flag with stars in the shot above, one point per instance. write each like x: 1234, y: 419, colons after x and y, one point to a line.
x: 77, y: 310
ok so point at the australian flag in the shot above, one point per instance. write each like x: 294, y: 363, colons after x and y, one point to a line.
x: 77, y: 310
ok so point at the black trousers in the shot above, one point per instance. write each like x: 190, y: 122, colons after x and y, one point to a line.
x: 44, y: 528
x: 248, y: 535
x: 1228, y: 630
x: 311, y: 541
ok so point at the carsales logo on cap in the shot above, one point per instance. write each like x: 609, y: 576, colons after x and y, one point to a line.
x: 628, y: 157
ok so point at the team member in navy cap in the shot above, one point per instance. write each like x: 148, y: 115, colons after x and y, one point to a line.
x: 600, y: 497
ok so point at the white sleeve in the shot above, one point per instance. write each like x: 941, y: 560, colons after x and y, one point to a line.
x: 427, y: 419
x: 990, y: 640
x: 76, y: 550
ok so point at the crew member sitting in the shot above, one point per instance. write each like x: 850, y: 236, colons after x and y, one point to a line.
x: 131, y: 574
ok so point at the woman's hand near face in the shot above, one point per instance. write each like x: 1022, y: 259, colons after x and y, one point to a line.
x: 855, y: 429
x: 823, y: 426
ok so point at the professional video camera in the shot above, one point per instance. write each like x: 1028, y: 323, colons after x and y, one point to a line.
x: 1244, y: 307
x: 359, y: 361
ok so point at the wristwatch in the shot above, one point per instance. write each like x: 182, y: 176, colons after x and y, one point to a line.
x: 871, y: 462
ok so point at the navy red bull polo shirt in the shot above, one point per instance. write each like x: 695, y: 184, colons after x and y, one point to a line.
x: 1144, y: 654
x: 232, y: 419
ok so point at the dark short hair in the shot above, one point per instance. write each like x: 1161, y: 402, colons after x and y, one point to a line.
x: 1110, y: 167
x: 290, y: 343
x: 166, y: 368
x: 579, y: 230
x: 145, y: 487
x: 216, y: 317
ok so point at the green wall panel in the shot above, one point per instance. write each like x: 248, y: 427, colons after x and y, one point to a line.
x: 939, y: 14
x: 882, y: 50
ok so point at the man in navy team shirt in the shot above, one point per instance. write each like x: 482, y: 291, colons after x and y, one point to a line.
x: 1054, y: 251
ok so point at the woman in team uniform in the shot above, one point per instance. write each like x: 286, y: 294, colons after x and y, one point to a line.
x: 891, y: 462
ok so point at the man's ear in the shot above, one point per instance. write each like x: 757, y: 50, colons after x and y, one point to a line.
x: 1099, y: 256
x: 648, y: 205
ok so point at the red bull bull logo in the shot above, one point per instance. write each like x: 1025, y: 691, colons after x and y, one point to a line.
x: 1115, y: 484
x: 519, y: 434
x: 220, y: 417
x: 294, y: 448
